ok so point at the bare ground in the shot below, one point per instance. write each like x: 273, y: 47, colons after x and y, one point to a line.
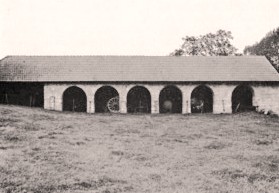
x: 43, y: 151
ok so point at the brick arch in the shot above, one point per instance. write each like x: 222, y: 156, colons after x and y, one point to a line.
x: 102, y: 97
x: 170, y: 99
x: 138, y: 100
x: 242, y: 98
x: 74, y: 99
x: 202, y: 99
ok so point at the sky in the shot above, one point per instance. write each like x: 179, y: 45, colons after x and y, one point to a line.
x: 127, y: 27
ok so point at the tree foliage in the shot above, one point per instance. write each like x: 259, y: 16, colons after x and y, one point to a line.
x: 210, y: 44
x: 268, y: 46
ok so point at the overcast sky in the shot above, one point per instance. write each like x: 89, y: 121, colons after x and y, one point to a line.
x: 126, y: 27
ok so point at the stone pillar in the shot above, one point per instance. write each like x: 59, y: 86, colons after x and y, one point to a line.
x: 123, y: 106
x: 266, y: 98
x: 186, y: 97
x: 155, y: 93
x: 59, y: 104
x: 222, y: 95
x: 53, y: 93
x: 47, y: 97
x: 155, y: 107
x: 122, y: 91
x: 90, y: 91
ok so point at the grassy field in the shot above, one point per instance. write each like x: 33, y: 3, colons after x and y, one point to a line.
x: 43, y: 151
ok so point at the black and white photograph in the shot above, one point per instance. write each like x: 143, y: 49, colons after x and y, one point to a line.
x: 139, y: 96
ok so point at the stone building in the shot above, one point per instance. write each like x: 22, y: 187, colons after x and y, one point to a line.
x: 147, y: 84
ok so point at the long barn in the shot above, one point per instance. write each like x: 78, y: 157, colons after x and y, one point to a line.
x: 145, y: 84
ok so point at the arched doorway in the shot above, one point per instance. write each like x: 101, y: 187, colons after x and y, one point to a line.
x: 242, y: 99
x: 139, y: 100
x: 170, y: 100
x: 102, y: 96
x: 74, y: 99
x: 202, y: 100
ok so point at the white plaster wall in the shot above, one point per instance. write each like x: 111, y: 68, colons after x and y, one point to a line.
x: 265, y: 97
x: 186, y: 97
x: 222, y: 95
x: 57, y: 90
x: 123, y: 90
x: 155, y: 93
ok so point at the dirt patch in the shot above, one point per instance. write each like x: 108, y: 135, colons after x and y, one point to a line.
x: 263, y: 142
x: 230, y: 174
x: 216, y: 145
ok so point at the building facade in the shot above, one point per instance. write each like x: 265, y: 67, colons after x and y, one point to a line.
x: 140, y: 84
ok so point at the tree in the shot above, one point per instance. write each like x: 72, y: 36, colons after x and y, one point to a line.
x: 268, y: 46
x: 210, y: 44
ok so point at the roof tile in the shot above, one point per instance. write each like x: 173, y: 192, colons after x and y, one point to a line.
x: 136, y: 68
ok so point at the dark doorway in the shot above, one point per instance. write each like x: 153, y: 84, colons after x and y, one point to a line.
x: 74, y: 99
x: 242, y: 99
x: 139, y: 100
x: 202, y: 100
x: 24, y: 94
x: 170, y: 100
x: 102, y: 96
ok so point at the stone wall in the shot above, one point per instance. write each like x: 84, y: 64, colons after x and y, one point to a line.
x: 265, y: 97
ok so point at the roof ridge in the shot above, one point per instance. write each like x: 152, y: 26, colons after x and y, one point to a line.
x: 139, y: 68
x: 244, y: 56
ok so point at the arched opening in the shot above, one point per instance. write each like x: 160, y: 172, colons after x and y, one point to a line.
x: 102, y: 97
x: 170, y: 100
x: 74, y: 99
x: 202, y: 100
x: 242, y: 99
x: 139, y: 100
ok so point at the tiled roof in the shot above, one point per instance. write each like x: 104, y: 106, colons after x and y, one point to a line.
x: 136, y: 68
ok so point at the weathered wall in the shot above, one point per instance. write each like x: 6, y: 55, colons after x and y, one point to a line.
x: 265, y: 97
x: 222, y: 95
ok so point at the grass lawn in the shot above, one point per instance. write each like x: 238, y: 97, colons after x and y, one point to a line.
x: 43, y: 151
